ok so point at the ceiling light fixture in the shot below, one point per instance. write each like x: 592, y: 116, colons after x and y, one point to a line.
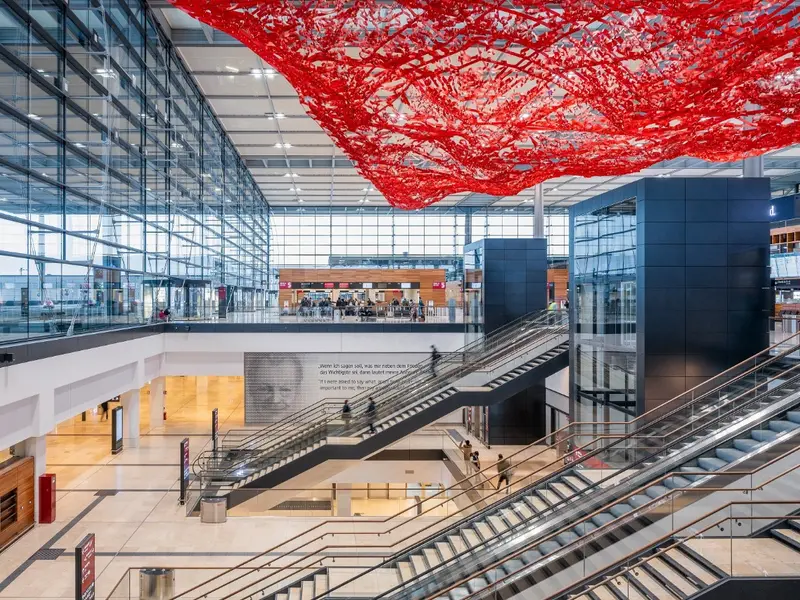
x: 295, y: 189
x: 268, y: 73
x: 273, y: 116
x: 34, y: 117
x: 300, y: 200
x: 231, y: 69
x: 282, y: 145
x: 105, y: 73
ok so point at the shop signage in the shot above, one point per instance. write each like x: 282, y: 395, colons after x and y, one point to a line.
x: 185, y: 469
x: 790, y: 283
x: 348, y: 285
x: 439, y: 285
x: 84, y: 569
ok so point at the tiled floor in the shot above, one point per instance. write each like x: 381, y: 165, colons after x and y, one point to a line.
x: 136, y: 517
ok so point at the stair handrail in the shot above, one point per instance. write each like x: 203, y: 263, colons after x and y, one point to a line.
x: 536, y: 317
x: 605, y: 527
x: 562, y: 469
x: 430, y: 385
x: 683, y: 541
x: 562, y: 503
x: 767, y: 352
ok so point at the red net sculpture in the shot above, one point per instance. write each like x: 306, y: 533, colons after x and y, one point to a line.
x: 434, y: 97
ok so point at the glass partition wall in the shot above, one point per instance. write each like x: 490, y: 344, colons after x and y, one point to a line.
x: 120, y: 193
x: 604, y: 368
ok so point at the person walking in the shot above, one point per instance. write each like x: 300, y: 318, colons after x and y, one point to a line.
x: 504, y: 472
x: 466, y: 451
x: 347, y: 412
x: 435, y: 358
x: 475, y: 459
x: 370, y: 413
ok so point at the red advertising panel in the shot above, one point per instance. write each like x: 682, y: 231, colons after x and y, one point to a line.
x: 285, y: 285
x: 84, y: 569
x: 438, y: 285
x: 329, y: 286
x: 344, y: 286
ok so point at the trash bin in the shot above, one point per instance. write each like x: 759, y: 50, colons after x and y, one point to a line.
x: 156, y: 584
x: 213, y: 510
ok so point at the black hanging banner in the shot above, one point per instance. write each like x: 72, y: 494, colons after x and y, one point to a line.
x: 214, y: 428
x: 184, y: 469
x: 84, y: 569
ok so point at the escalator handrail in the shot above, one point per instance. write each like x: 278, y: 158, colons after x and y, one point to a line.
x: 430, y: 387
x: 571, y: 525
x: 684, y: 541
x: 513, y: 498
x: 534, y: 317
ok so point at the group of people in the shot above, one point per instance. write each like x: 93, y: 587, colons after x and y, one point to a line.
x: 369, y: 413
x: 472, y: 458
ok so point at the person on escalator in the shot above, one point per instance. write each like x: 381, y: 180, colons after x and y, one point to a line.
x: 370, y: 413
x: 346, y: 411
x: 435, y: 358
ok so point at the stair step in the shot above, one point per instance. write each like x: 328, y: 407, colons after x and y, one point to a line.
x: 470, y: 537
x: 418, y: 563
x: 523, y: 510
x: 510, y: 516
x: 484, y: 530
x: 307, y: 590
x: 457, y: 543
x: 652, y: 584
x: 669, y: 574
x: 445, y: 550
x: 536, y: 503
x: 692, y: 566
x: 497, y: 523
x: 405, y: 572
x: 320, y: 584
x: 432, y: 556
x: 294, y: 593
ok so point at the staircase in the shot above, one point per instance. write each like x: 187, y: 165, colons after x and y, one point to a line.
x: 485, y: 372
x: 734, y: 425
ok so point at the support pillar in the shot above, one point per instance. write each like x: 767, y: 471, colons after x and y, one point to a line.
x: 158, y: 390
x: 538, y: 211
x: 753, y: 167
x: 130, y: 418
x: 344, y: 500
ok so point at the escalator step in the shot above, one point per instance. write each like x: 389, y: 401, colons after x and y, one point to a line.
x: 531, y: 556
x: 566, y: 537
x: 602, y: 518
x: 763, y: 435
x: 746, y: 445
x: 708, y: 463
x: 548, y: 547
x: 620, y: 509
x: 793, y: 416
x: 781, y: 426
x: 459, y: 593
x: 688, y: 469
x: 583, y: 528
x: 638, y: 500
x: 477, y: 584
x: 656, y: 491
x: 512, y: 566
x: 677, y: 482
x: 729, y: 455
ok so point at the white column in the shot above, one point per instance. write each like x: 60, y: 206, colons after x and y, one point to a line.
x: 37, y: 448
x: 538, y: 211
x: 130, y: 419
x: 753, y: 166
x: 344, y: 500
x: 158, y: 389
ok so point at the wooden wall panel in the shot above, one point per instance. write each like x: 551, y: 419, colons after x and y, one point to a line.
x: 561, y: 278
x: 425, y: 278
x: 17, y: 473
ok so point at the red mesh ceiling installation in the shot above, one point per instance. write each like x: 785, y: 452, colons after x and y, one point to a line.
x: 434, y: 97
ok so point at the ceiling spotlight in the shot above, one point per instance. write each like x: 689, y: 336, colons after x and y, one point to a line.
x: 295, y: 189
x: 300, y: 200
x: 282, y: 145
x: 34, y: 117
x: 231, y: 69
x: 291, y: 175
x: 554, y: 191
x: 268, y: 73
x: 273, y: 116
x: 367, y: 189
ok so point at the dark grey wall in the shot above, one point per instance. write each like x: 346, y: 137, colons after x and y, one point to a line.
x: 514, y: 284
x: 702, y: 280
x: 703, y: 287
x: 514, y: 279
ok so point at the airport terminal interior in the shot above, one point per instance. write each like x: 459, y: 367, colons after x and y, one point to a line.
x: 399, y: 299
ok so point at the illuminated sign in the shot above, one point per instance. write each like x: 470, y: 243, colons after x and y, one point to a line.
x: 84, y: 569
x: 285, y: 285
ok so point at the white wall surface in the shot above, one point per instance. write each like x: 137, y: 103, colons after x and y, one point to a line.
x: 35, y: 396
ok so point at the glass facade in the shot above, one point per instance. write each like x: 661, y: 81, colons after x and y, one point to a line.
x: 323, y: 237
x: 604, y: 311
x: 120, y: 193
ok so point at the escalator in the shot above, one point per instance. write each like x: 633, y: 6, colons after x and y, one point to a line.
x: 748, y: 414
x: 485, y: 372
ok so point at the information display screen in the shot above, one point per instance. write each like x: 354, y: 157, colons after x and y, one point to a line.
x: 84, y: 569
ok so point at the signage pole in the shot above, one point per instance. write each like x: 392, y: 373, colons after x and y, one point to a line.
x: 214, y: 428
x: 84, y: 569
x: 184, y: 469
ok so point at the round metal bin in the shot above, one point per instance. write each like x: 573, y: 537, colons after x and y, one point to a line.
x: 213, y: 510
x: 156, y: 584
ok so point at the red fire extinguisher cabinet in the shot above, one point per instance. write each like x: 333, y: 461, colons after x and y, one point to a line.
x: 47, y: 498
